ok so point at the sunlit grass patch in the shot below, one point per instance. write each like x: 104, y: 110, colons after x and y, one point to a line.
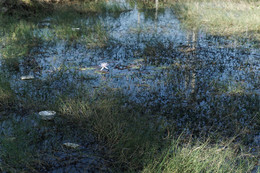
x: 17, y: 40
x: 201, y: 157
x: 227, y: 18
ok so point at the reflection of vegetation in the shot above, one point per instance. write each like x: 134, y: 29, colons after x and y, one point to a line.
x: 148, y: 8
x: 221, y: 17
x: 231, y: 87
x: 69, y: 29
x: 20, y: 36
x: 6, y: 94
x: 144, y: 5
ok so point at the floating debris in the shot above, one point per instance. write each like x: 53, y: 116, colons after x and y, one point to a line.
x: 29, y: 77
x: 71, y: 145
x: 75, y: 29
x: 121, y: 67
x: 135, y: 66
x: 47, y: 115
x: 11, y: 138
x: 101, y: 72
x: 87, y: 68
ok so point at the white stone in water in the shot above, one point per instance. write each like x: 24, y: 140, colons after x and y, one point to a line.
x: 71, y: 145
x: 47, y: 115
x: 29, y: 77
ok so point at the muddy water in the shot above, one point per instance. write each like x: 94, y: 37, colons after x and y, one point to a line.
x: 171, y: 71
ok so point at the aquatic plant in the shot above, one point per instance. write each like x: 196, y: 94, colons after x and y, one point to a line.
x: 104, y: 66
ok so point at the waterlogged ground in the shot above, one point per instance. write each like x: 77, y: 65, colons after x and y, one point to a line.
x: 189, y: 78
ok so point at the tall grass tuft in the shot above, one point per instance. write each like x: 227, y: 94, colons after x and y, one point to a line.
x: 201, y: 157
x: 132, y: 138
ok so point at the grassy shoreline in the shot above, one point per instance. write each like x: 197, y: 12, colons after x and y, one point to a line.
x: 236, y: 18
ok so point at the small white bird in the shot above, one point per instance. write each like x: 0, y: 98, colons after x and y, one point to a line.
x: 104, y: 66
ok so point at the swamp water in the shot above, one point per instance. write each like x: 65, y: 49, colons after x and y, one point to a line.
x: 178, y: 74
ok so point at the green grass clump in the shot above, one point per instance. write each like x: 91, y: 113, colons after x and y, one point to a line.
x: 201, y: 157
x: 226, y: 18
x: 131, y: 137
x: 17, y: 39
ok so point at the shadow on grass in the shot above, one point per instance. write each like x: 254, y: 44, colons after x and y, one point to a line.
x: 141, y: 142
x: 135, y: 140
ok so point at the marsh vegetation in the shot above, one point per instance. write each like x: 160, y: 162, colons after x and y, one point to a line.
x: 137, y: 86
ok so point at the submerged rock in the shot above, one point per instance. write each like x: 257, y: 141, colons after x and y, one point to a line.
x: 71, y: 145
x: 29, y: 77
x: 47, y: 115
